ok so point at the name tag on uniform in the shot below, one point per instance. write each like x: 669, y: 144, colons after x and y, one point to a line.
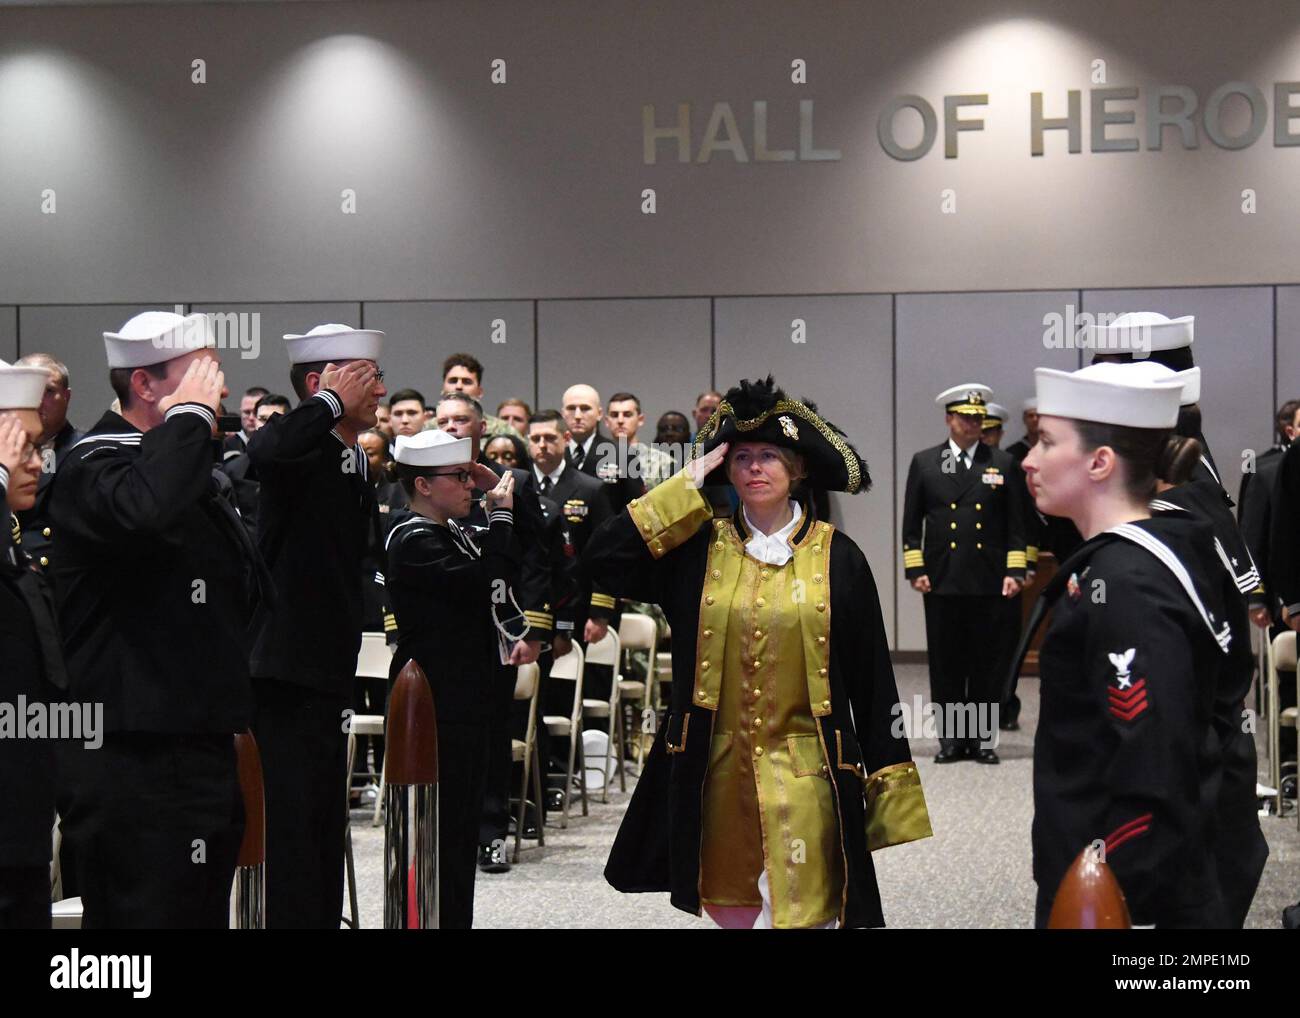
x: 993, y: 476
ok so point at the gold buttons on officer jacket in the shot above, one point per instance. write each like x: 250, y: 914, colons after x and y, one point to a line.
x: 702, y: 696
x: 718, y: 545
x: 821, y: 606
x: 821, y: 640
x: 704, y: 666
x: 44, y: 561
x: 952, y: 505
x: 709, y: 599
x: 717, y: 574
x: 707, y: 633
x: 821, y: 672
x: 979, y: 544
x: 817, y: 578
x: 758, y: 722
x: 826, y: 705
x: 978, y: 507
x: 825, y: 769
x: 758, y: 634
x: 758, y: 663
x: 763, y: 575
x: 979, y: 526
x: 647, y: 528
x: 720, y: 524
x: 954, y: 544
x: 953, y: 524
x: 760, y: 603
x: 757, y: 692
x: 45, y: 532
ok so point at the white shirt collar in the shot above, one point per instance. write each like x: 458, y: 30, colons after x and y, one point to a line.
x: 958, y: 451
x: 774, y: 549
x: 554, y: 476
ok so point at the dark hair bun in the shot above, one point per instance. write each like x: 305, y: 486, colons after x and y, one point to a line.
x: 1177, y: 459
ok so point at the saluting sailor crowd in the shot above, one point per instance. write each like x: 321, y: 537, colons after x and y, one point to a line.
x: 185, y: 580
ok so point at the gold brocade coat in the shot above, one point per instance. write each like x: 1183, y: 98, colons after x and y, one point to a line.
x: 666, y: 549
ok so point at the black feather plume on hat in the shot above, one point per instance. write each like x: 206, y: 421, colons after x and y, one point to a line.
x: 758, y: 411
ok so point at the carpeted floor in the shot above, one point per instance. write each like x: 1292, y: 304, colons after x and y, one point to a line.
x: 975, y: 871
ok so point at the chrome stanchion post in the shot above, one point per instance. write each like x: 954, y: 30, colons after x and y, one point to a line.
x: 411, y: 803
x: 250, y: 872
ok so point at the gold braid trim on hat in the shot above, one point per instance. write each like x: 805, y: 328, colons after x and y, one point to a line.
x: 783, y: 406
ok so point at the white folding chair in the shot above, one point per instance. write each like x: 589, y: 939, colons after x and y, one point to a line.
x: 607, y: 652
x: 374, y: 661
x: 639, y: 632
x: 524, y: 751
x: 569, y: 668
x: 1281, y: 658
x: 65, y: 913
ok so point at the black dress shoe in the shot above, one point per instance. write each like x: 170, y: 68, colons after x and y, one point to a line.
x: 950, y: 754
x: 492, y: 859
x: 987, y: 756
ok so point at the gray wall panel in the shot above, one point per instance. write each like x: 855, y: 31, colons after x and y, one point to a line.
x: 232, y: 189
x: 948, y: 339
x: 657, y: 349
x: 1234, y: 349
x: 421, y: 334
x: 75, y: 336
x: 846, y: 367
x: 1288, y: 343
x: 8, y: 334
x: 264, y: 361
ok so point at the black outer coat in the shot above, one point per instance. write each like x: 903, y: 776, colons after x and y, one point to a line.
x: 140, y: 519
x: 658, y: 844
x: 1136, y: 765
x: 928, y: 516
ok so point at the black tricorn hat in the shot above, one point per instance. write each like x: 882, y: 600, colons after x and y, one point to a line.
x: 761, y: 412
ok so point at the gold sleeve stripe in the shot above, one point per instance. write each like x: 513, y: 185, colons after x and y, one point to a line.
x: 913, y: 558
x: 1016, y: 560
x: 1031, y: 554
x: 602, y: 601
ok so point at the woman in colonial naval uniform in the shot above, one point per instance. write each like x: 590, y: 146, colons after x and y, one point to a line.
x: 781, y: 765
x: 1139, y: 644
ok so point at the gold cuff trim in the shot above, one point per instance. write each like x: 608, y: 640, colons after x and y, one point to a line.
x: 602, y: 601
x: 913, y: 559
x: 896, y: 810
x: 670, y: 514
x: 1016, y: 560
x: 1031, y: 554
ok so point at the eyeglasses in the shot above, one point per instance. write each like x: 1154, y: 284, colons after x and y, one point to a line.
x: 461, y: 475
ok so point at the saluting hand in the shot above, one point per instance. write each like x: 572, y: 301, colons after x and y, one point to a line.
x: 353, y: 383
x: 203, y: 382
x: 697, y: 470
x: 13, y: 439
x: 503, y: 495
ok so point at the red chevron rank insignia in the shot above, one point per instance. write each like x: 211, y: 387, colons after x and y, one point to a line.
x: 1128, y: 704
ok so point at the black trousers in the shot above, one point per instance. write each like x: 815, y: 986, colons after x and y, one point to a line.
x: 495, y: 821
x: 300, y: 734
x: 962, y: 639
x: 24, y: 897
x: 154, y: 823
x: 462, y: 771
x: 1240, y: 849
